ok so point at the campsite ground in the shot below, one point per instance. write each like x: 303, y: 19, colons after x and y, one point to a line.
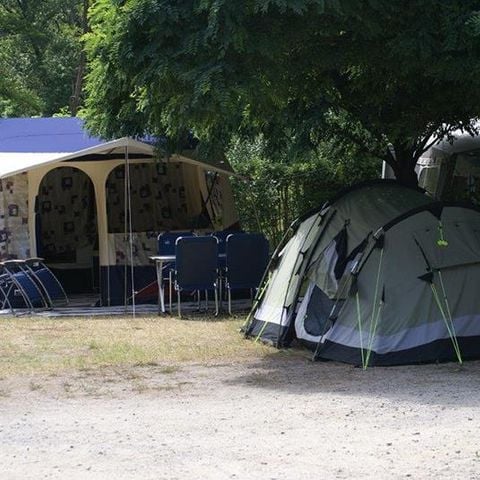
x: 106, y: 398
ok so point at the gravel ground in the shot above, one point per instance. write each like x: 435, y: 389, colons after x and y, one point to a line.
x: 269, y: 419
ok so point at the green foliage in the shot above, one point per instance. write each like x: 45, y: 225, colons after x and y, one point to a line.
x: 40, y: 54
x: 279, y: 189
x: 16, y: 99
x: 395, y: 74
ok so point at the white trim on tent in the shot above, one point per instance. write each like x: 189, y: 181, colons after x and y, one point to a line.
x: 12, y: 163
x: 205, y: 166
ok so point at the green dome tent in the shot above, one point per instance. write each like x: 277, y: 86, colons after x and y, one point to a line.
x: 380, y: 275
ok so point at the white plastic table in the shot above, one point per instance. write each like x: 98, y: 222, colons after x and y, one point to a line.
x: 159, y: 261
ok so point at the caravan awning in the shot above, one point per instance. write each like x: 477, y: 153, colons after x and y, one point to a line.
x: 28, y: 143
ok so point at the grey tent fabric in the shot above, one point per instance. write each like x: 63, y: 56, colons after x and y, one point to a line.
x: 329, y: 265
x: 404, y: 293
x: 314, y: 313
x: 283, y: 280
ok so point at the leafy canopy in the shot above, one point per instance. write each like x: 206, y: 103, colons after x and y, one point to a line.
x: 40, y: 52
x: 386, y: 74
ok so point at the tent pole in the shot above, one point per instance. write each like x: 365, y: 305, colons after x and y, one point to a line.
x: 125, y: 228
x: 107, y: 249
x: 447, y: 305
x: 375, y: 312
x: 359, y: 318
x: 450, y: 328
x: 262, y: 286
x: 130, y: 235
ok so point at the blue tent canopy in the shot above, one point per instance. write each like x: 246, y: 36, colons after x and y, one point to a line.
x: 38, y: 135
x: 27, y: 143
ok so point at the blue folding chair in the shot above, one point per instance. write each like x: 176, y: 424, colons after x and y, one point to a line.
x: 246, y: 261
x: 18, y: 287
x: 221, y: 236
x: 166, y: 241
x: 222, y: 245
x: 196, y: 267
x: 49, y: 284
x: 166, y: 247
x: 7, y: 291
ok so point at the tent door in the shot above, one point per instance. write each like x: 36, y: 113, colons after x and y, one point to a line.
x: 312, y: 320
x: 66, y: 228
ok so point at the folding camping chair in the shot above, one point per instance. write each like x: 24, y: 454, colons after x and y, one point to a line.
x: 49, y: 284
x: 196, y: 267
x: 18, y: 289
x: 221, y: 236
x: 166, y: 247
x: 246, y: 260
x: 6, y: 290
x: 222, y: 245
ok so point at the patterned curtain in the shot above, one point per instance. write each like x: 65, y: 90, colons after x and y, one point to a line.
x: 14, y: 238
x: 158, y: 198
x: 68, y: 220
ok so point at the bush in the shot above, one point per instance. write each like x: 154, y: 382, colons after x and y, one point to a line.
x: 278, y: 188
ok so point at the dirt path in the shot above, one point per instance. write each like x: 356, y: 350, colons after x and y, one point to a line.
x: 282, y: 419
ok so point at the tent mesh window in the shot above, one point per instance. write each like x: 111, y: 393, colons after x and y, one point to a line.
x: 158, y: 198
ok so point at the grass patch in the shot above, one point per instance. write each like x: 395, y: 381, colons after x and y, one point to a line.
x: 52, y: 346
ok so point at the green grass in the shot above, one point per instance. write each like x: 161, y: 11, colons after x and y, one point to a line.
x: 52, y: 346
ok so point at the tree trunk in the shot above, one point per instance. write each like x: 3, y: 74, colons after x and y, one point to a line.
x: 76, y: 98
x: 405, y: 173
x: 403, y: 162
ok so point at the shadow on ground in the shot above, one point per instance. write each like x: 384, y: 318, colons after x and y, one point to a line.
x: 435, y: 384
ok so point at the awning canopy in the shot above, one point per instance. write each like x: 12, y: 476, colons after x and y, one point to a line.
x: 28, y: 143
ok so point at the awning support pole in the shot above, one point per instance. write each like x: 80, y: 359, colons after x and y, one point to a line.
x: 129, y: 235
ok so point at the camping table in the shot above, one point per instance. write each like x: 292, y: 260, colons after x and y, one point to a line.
x: 159, y: 261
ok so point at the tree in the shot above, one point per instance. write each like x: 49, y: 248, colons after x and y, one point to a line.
x: 15, y: 98
x: 284, y: 186
x: 389, y: 75
x: 41, y: 59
